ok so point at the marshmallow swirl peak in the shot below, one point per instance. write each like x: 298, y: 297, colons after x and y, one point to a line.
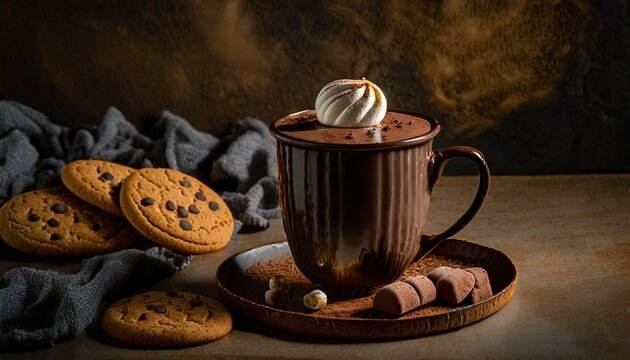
x: 350, y: 103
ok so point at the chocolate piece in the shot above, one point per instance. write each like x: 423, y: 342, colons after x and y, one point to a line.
x: 438, y: 272
x: 482, y: 290
x: 193, y: 209
x: 200, y: 196
x: 455, y: 286
x: 147, y: 201
x: 214, y: 206
x: 170, y: 205
x: 424, y: 288
x: 185, y: 225
x: 396, y: 299
x: 160, y: 309
x: 53, y: 223
x: 182, y: 212
x: 33, y: 217
x: 171, y: 293
x: 55, y: 237
x: 59, y: 208
x: 184, y: 183
x: 142, y: 317
x: 106, y: 176
x: 196, y: 303
x: 95, y: 226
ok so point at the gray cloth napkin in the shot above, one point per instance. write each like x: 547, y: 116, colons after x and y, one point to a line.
x: 40, y: 307
x: 33, y: 151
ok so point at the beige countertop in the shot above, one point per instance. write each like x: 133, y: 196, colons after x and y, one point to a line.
x: 569, y: 237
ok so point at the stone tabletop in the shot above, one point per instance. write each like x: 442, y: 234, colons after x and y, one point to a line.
x: 569, y: 237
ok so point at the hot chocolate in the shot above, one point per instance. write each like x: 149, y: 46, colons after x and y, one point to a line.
x: 394, y: 127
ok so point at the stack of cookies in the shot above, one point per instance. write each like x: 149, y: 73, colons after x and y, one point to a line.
x: 105, y: 207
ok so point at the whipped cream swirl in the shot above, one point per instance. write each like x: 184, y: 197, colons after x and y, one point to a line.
x: 350, y: 103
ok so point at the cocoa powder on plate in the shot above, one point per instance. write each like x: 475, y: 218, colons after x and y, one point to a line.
x: 342, y: 303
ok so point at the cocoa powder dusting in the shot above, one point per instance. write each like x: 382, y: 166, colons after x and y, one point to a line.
x: 343, y: 303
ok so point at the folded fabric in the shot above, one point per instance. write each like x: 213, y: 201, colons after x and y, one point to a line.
x: 41, y: 307
x: 241, y: 166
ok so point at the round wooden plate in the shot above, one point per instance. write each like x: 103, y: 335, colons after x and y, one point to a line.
x: 243, y: 279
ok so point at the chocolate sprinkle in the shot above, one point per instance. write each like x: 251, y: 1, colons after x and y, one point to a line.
x: 214, y: 206
x: 147, y: 201
x: 160, y: 309
x: 184, y: 183
x: 200, y: 196
x: 193, y: 209
x: 171, y: 293
x: 181, y: 212
x: 95, y: 226
x: 196, y: 302
x: 33, y: 217
x: 53, y: 223
x: 59, y: 208
x: 185, y: 225
x: 55, y: 237
x: 106, y: 176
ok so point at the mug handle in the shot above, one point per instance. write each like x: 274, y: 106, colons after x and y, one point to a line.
x: 436, y: 166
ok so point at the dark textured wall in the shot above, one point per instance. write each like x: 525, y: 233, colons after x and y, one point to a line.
x: 538, y: 86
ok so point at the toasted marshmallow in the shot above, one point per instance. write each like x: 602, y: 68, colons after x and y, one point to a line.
x: 350, y: 103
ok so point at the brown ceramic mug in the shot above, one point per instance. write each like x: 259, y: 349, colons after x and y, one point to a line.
x: 354, y: 212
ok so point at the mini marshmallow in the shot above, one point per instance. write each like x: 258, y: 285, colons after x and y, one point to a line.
x: 396, y: 298
x: 315, y: 300
x: 424, y: 288
x: 280, y: 283
x: 455, y: 286
x: 482, y: 289
x: 276, y: 298
x: 438, y: 272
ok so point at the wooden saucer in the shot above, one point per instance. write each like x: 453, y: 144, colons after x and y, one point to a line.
x: 243, y: 279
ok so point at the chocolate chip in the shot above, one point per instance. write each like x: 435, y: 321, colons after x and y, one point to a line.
x: 200, y: 196
x: 33, y: 217
x: 181, y: 212
x: 53, y: 223
x: 410, y: 122
x: 196, y: 302
x: 95, y: 226
x: 160, y: 309
x: 193, y: 209
x: 184, y: 183
x: 349, y: 136
x: 55, y: 237
x: 59, y: 208
x: 214, y: 206
x: 147, y: 201
x: 399, y: 125
x: 170, y: 205
x: 370, y: 133
x: 171, y: 293
x: 385, y: 128
x: 142, y: 317
x: 185, y: 225
x: 106, y: 176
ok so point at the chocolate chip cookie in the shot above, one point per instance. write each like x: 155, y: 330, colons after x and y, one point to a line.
x: 176, y: 210
x: 170, y: 318
x: 97, y: 182
x: 54, y: 222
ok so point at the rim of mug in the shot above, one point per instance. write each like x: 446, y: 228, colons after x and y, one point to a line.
x: 301, y: 143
